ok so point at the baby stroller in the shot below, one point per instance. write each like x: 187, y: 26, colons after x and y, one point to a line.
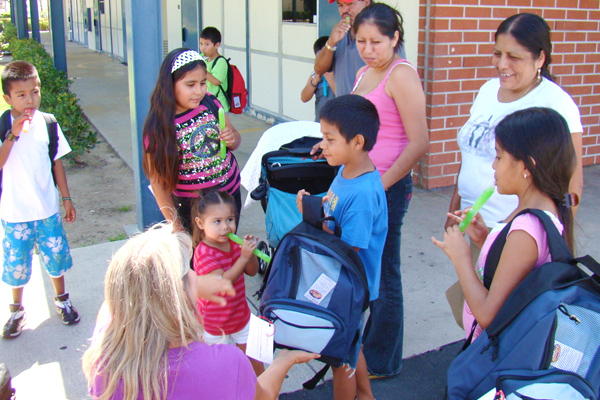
x: 283, y: 173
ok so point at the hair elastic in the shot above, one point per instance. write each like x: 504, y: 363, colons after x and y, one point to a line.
x: 184, y: 58
x: 570, y: 200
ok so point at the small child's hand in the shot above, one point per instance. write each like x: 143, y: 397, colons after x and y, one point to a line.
x: 70, y: 213
x: 454, y: 245
x: 22, y: 122
x: 227, y: 135
x: 315, y: 149
x: 299, y: 196
x: 477, y: 229
x: 249, y: 245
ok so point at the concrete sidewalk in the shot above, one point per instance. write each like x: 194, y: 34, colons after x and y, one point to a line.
x: 45, y: 360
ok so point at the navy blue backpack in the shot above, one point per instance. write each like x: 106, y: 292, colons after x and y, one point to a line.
x: 544, y: 343
x: 315, y: 289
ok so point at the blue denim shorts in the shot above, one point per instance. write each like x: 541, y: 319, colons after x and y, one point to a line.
x: 20, y: 239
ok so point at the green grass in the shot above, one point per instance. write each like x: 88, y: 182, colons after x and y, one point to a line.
x: 124, y: 208
x: 3, y: 105
x: 120, y: 236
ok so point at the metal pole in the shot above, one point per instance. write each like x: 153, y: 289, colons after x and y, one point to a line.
x: 35, y: 20
x: 144, y: 56
x: 57, y: 32
x: 21, y: 19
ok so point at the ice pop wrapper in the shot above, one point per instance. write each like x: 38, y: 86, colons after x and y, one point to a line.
x: 223, y: 147
x: 481, y: 200
x: 256, y: 252
x: 25, y: 126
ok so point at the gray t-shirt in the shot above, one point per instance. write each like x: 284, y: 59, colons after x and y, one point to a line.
x: 347, y: 62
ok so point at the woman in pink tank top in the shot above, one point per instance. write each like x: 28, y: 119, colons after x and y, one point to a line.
x: 394, y: 86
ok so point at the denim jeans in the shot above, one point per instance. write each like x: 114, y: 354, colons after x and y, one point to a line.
x: 384, y: 331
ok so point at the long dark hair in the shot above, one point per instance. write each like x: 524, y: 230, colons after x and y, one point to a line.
x: 387, y: 19
x: 540, y: 138
x: 532, y: 32
x: 205, y: 200
x: 161, y: 157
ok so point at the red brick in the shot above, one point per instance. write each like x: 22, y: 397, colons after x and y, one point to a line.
x: 594, y: 130
x: 576, y: 58
x: 494, y: 2
x: 451, y: 169
x: 439, y: 50
x: 544, y: 3
x: 586, y: 161
x: 592, y: 58
x: 456, y: 122
x: 444, y: 134
x: 446, y: 37
x: 490, y: 24
x: 463, y: 24
x: 575, y: 36
x: 557, y: 36
x: 593, y: 78
x: 462, y: 73
x: 442, y: 158
x: 562, y: 70
x: 477, y: 61
x: 478, y: 12
x: 595, y: 109
x: 552, y: 13
x: 592, y: 150
x: 589, y: 120
x: 464, y: 109
x: 588, y: 100
x: 594, y: 15
x: 586, y: 47
x: 487, y: 73
x: 584, y: 69
x: 478, y: 37
x: 448, y: 11
x: 579, y: 91
x: 465, y: 2
x: 436, y: 123
x: 504, y: 13
x: 587, y: 110
x: 472, y: 85
x: 443, y: 181
x: 486, y: 48
x: 446, y: 86
x: 440, y: 75
x: 434, y: 170
x: 592, y: 4
x: 593, y: 36
x: 459, y: 98
x: 447, y: 62
x: 566, y: 25
x: 567, y: 3
x: 570, y: 80
x: 462, y: 49
x: 440, y: 24
x: 564, y: 48
x: 588, y: 140
x: 577, y: 14
x: 436, y: 147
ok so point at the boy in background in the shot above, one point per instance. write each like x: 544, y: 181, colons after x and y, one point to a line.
x: 356, y: 200
x: 29, y: 208
x: 322, y: 87
x: 216, y: 65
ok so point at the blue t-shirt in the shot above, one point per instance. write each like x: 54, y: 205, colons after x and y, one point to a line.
x: 359, y: 206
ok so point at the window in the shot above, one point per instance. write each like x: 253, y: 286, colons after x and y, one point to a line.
x: 299, y: 11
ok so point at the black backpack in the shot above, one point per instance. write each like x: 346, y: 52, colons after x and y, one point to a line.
x: 52, y: 125
x: 546, y: 335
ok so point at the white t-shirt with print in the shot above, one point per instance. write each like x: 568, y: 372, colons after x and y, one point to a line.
x: 28, y: 190
x: 476, y: 140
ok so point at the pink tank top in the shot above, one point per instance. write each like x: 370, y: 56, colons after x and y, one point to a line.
x: 391, y: 138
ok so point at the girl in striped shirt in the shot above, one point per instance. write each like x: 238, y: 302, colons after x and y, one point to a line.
x: 214, y: 217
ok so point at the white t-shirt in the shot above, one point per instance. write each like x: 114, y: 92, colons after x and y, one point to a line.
x: 28, y: 190
x: 476, y: 140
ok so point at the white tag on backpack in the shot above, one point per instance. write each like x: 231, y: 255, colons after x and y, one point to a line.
x: 320, y: 289
x: 260, y: 340
x: 565, y: 357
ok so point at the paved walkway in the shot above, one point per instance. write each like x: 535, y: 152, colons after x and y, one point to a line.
x: 45, y: 360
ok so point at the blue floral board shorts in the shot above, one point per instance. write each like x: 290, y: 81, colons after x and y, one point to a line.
x: 18, y: 244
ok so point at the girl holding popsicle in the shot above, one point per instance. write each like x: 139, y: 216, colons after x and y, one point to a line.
x: 187, y: 144
x: 214, y: 219
x: 535, y: 160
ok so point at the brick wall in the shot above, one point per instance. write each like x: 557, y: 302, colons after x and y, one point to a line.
x: 455, y: 45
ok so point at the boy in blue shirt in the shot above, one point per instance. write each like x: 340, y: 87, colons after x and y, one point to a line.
x: 29, y: 209
x: 356, y: 200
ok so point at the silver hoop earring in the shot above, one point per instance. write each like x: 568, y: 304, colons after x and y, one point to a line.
x: 539, y: 76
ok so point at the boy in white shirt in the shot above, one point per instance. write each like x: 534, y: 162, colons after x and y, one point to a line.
x: 29, y: 208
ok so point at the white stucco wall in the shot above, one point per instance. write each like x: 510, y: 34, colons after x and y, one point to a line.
x: 172, y: 23
x: 234, y: 24
x: 264, y: 86
x: 265, y: 16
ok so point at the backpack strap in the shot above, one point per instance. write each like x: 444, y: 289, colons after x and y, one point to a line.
x: 52, y: 126
x: 221, y: 85
x: 559, y: 250
x: 209, y: 102
x: 5, y: 124
x: 312, y: 213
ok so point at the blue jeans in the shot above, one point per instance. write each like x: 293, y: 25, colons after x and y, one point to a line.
x: 384, y: 331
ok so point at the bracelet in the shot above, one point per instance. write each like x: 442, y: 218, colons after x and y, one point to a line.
x: 12, y: 137
x: 67, y: 198
x: 313, y: 85
x: 334, y: 48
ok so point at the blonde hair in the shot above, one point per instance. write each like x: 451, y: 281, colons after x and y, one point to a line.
x: 149, y: 310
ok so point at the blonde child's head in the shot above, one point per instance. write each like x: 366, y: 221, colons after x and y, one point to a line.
x: 149, y: 311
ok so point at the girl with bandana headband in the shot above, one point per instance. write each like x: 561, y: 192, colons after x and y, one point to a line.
x: 182, y: 140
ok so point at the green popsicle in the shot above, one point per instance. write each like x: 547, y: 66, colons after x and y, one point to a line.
x: 223, y: 148
x: 256, y: 252
x: 485, y: 196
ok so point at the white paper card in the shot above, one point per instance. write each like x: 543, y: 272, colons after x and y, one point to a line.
x: 320, y: 289
x: 566, y: 357
x: 260, y: 340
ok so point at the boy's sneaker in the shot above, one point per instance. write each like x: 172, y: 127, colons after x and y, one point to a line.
x: 65, y: 309
x: 15, y: 323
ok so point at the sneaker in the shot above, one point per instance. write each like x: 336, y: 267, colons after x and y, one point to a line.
x: 15, y: 324
x: 65, y: 309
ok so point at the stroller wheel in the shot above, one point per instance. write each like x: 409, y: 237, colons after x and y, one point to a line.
x: 265, y: 248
